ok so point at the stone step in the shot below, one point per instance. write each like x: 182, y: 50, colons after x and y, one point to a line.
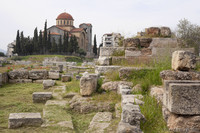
x: 17, y: 120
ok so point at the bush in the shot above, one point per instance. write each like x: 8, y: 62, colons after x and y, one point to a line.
x: 99, y: 83
x: 2, y: 54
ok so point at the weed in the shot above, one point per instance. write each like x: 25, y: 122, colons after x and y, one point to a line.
x: 113, y: 76
x: 118, y: 53
x: 153, y: 114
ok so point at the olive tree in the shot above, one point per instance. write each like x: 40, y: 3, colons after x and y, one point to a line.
x: 188, y: 34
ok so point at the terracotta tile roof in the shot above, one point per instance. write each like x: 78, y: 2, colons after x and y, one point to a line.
x: 65, y: 15
x: 77, y: 29
x: 54, y: 33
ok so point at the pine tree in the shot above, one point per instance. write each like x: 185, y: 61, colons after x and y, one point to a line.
x: 60, y: 45
x: 35, y: 41
x: 40, y: 43
x: 44, y: 40
x: 95, y: 46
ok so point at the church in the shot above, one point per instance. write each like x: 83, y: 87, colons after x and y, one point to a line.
x: 65, y: 24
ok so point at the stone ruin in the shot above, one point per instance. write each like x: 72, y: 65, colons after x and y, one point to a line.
x: 155, y: 44
x: 181, y: 102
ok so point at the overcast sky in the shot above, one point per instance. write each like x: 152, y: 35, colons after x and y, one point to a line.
x: 124, y: 16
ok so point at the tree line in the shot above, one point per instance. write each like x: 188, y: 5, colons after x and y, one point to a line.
x: 45, y: 44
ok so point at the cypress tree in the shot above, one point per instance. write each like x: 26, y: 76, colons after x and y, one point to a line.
x: 65, y: 43
x: 60, y: 45
x: 17, y: 46
x: 40, y: 43
x: 95, y: 46
x: 70, y: 45
x: 49, y: 42
x: 35, y: 41
x: 22, y: 50
x: 44, y: 40
x: 54, y: 46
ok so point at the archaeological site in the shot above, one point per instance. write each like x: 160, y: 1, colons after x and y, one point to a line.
x: 100, y: 66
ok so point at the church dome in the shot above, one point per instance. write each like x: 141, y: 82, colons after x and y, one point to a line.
x: 65, y: 16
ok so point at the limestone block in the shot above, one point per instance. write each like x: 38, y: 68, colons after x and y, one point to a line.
x: 114, y: 85
x: 183, y: 124
x: 18, y: 74
x: 131, y: 42
x: 48, y: 83
x: 40, y: 81
x: 131, y: 114
x: 38, y: 74
x: 104, y: 61
x: 183, y: 60
x: 132, y: 53
x: 78, y: 77
x: 60, y: 68
x: 66, y: 78
x: 105, y: 69
x: 124, y: 90
x: 17, y: 120
x: 145, y: 42
x: 167, y: 84
x: 184, y: 99
x: 95, y: 78
x: 165, y: 31
x: 153, y: 31
x: 179, y: 75
x: 20, y: 80
x: 131, y: 99
x: 127, y: 128
x: 87, y: 86
x: 3, y: 78
x: 157, y: 92
x: 41, y: 97
x: 54, y: 75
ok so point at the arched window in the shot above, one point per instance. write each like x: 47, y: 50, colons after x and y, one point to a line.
x: 64, y: 22
x: 60, y: 21
x: 67, y: 22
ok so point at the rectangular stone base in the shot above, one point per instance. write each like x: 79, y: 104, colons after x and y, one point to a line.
x: 41, y: 97
x: 183, y: 98
x: 17, y: 120
x: 168, y: 94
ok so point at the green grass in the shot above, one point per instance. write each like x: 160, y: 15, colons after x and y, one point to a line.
x: 81, y: 122
x: 107, y: 97
x: 153, y: 114
x: 73, y: 86
x: 16, y: 98
x: 55, y: 113
x: 113, y: 76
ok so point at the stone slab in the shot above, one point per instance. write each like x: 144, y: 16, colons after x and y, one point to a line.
x: 17, y: 120
x: 41, y: 97
x: 105, y: 69
x: 38, y: 74
x: 54, y: 75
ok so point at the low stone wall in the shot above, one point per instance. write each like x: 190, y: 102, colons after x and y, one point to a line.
x: 108, y: 51
x: 25, y: 76
x: 51, y: 63
x: 168, y: 51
